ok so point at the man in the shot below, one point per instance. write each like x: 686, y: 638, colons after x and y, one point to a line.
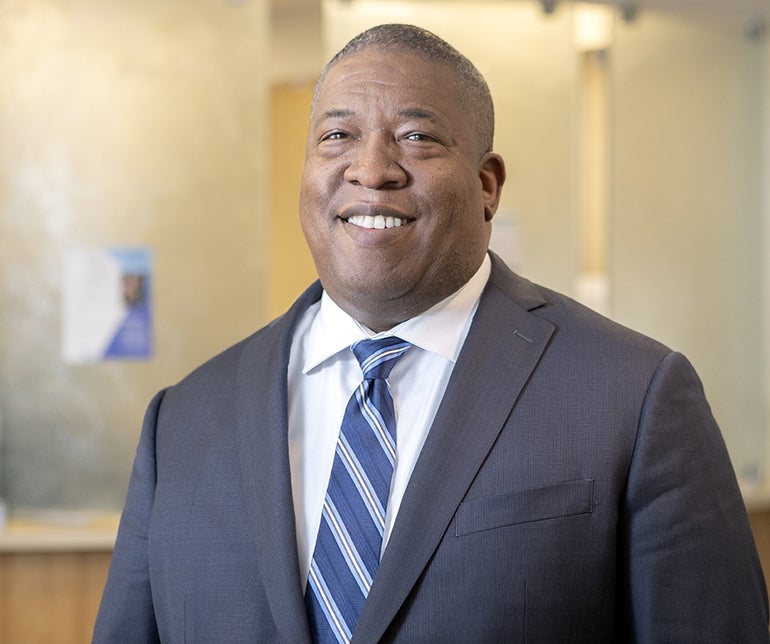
x: 558, y: 478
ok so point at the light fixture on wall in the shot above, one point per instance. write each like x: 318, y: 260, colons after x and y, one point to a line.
x: 755, y: 27
x: 628, y: 11
x: 549, y: 6
x: 592, y: 27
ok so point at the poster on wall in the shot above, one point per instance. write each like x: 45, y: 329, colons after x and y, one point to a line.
x: 107, y: 304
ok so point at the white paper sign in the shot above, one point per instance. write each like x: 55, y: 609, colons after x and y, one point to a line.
x: 106, y: 304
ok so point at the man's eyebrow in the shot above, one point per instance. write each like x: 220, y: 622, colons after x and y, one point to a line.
x: 417, y: 113
x: 337, y: 114
x: 407, y: 112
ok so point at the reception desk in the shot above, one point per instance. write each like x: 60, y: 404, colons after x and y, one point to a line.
x: 52, y: 571
x: 758, y: 504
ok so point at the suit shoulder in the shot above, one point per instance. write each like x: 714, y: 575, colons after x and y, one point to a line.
x: 216, y: 378
x: 257, y: 347
x: 574, y: 318
x: 579, y: 333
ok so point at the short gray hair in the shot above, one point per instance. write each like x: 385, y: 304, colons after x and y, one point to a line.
x: 473, y: 91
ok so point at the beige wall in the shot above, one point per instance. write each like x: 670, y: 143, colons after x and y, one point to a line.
x: 132, y: 123
x: 291, y: 266
x: 296, y: 42
x: 686, y: 248
x: 764, y: 234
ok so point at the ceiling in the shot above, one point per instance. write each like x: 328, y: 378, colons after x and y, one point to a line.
x: 756, y: 7
x: 733, y: 7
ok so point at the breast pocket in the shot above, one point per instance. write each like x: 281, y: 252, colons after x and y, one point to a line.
x: 562, y: 499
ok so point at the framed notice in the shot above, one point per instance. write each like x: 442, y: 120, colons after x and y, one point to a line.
x: 107, y: 304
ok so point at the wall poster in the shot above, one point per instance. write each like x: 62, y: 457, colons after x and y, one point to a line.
x: 107, y: 304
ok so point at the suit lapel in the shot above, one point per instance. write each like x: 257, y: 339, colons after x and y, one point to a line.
x: 263, y: 442
x: 469, y: 419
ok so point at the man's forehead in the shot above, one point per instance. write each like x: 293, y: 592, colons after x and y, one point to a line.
x: 378, y: 60
x: 419, y: 83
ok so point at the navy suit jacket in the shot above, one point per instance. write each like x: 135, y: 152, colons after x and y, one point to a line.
x: 574, y: 487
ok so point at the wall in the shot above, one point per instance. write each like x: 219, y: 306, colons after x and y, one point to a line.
x: 296, y: 43
x: 291, y: 266
x: 687, y: 211
x: 296, y: 60
x: 122, y: 123
x: 764, y: 232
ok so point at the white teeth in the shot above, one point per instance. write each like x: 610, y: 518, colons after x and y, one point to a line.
x: 378, y: 221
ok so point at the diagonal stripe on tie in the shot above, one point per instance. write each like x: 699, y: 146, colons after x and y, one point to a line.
x: 328, y: 606
x: 347, y: 551
x: 358, y: 475
x: 347, y: 548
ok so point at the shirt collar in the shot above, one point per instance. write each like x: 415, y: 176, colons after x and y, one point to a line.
x: 441, y: 329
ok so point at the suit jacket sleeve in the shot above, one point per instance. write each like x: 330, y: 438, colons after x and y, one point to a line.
x: 692, y: 572
x: 126, y: 613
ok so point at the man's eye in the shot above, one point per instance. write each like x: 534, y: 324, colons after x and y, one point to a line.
x: 335, y: 136
x: 418, y: 136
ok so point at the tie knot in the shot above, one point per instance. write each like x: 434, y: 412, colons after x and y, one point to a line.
x: 378, y: 357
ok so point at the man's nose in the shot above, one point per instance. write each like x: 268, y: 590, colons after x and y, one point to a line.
x: 374, y: 163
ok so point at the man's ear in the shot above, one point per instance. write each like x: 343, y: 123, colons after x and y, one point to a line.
x: 492, y: 175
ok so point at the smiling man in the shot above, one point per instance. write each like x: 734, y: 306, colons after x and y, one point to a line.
x: 400, y: 183
x: 427, y: 447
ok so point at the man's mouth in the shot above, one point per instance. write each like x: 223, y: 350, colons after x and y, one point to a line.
x: 376, y: 222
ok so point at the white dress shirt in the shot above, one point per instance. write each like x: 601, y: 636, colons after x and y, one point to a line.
x: 323, y: 373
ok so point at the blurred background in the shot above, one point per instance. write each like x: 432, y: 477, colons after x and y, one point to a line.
x: 637, y: 141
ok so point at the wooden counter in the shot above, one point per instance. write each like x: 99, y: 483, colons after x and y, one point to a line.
x: 52, y: 572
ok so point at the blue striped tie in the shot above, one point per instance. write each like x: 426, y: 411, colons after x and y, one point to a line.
x: 347, y: 550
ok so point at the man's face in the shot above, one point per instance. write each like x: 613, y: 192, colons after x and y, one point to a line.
x: 397, y: 197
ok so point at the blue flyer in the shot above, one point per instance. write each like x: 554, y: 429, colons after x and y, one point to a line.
x: 107, y: 304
